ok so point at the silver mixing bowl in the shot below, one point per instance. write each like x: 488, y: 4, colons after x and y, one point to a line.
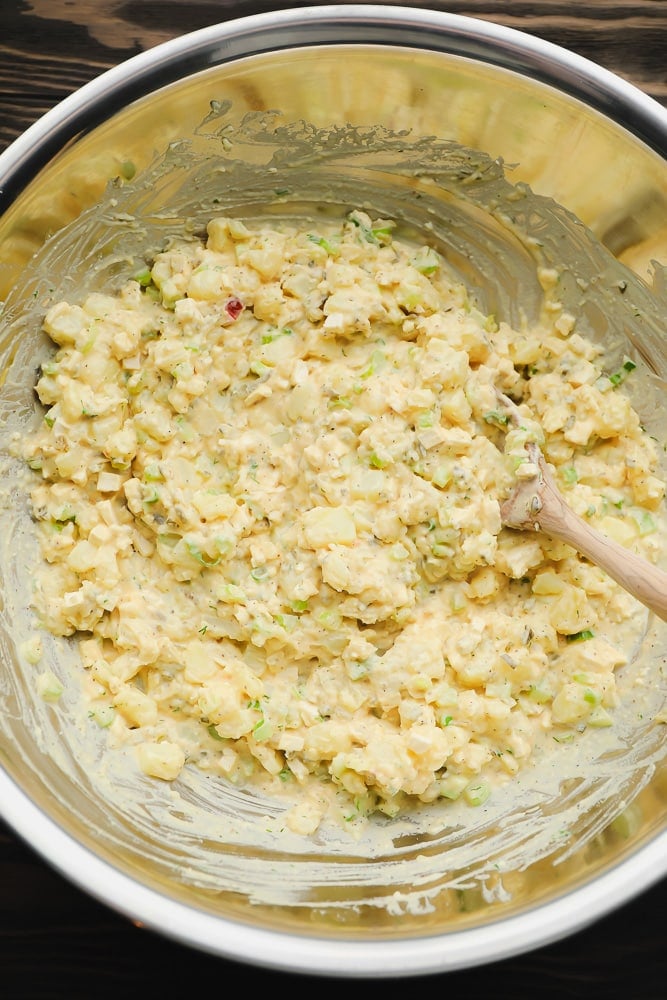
x: 416, y: 112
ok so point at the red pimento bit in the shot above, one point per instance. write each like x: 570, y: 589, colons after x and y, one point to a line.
x: 234, y: 307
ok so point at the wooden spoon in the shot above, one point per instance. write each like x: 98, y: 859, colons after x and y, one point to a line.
x: 536, y: 504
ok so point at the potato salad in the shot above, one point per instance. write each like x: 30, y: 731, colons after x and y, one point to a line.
x: 267, y: 489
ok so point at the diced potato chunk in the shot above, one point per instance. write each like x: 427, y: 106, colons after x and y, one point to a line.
x: 161, y: 760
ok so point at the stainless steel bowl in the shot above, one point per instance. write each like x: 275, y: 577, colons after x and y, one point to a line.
x: 393, y: 101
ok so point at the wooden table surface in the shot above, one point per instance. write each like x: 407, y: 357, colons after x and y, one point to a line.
x: 55, y: 941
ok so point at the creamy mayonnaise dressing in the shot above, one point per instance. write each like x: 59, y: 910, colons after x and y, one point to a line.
x: 268, y: 502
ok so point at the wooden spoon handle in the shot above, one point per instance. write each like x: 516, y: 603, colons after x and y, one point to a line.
x: 537, y: 504
x: 646, y: 582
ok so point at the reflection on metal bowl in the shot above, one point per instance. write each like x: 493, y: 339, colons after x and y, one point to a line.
x: 512, y: 154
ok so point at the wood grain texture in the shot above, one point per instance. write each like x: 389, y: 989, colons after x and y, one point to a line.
x: 57, y: 943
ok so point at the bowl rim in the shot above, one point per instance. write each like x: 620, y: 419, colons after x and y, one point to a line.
x: 341, y: 958
x: 395, y: 26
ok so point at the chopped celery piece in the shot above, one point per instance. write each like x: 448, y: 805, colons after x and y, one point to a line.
x: 600, y: 718
x: 263, y: 731
x: 127, y: 170
x: 103, y: 715
x: 619, y: 376
x: 64, y: 515
x: 646, y: 523
x: 379, y: 234
x: 427, y: 261
x: 477, y: 792
x: 152, y: 473
x: 268, y: 338
x: 585, y: 633
x: 497, y: 418
x: 49, y: 687
x: 340, y: 403
x: 539, y: 693
x: 144, y: 277
x: 326, y: 244
x: 288, y: 622
x: 452, y: 785
x: 376, y: 364
x: 377, y: 461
